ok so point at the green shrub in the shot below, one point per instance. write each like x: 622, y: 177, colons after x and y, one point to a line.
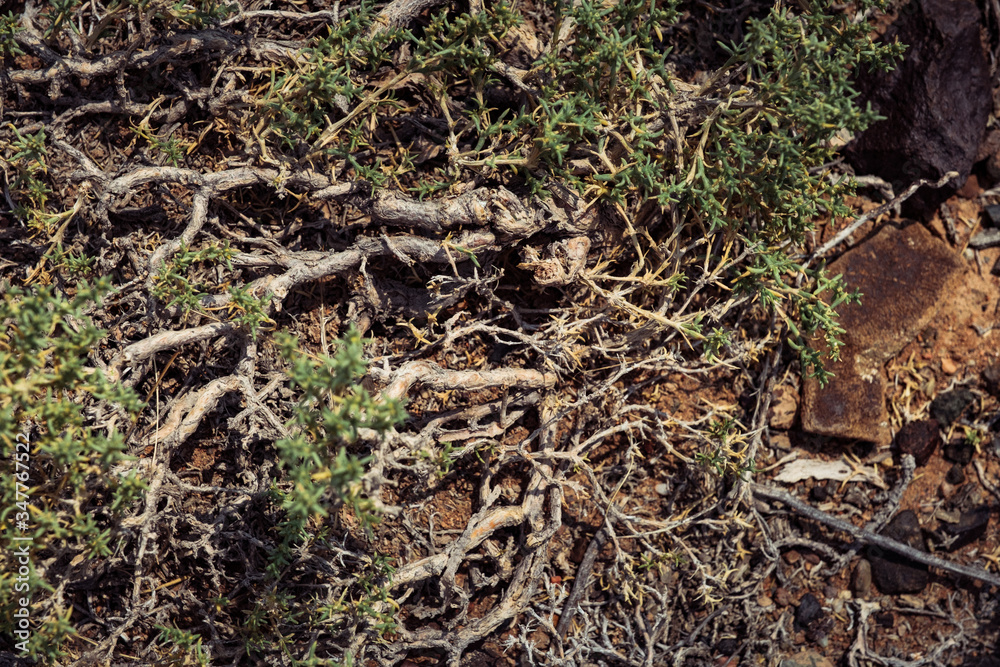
x: 59, y: 495
x: 738, y: 163
x: 324, y: 477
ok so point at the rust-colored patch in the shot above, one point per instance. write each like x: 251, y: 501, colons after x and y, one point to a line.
x: 902, y: 275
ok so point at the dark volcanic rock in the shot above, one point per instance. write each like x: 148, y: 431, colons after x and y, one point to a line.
x: 959, y: 453
x: 819, y: 493
x: 894, y: 574
x: 955, y: 475
x: 728, y: 646
x: 949, y: 406
x: 861, y: 580
x: 970, y: 527
x: 936, y: 102
x: 919, y: 439
x: 808, y: 611
x: 991, y: 378
x: 992, y: 216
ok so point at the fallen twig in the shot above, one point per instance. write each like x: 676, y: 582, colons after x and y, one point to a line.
x: 872, y: 539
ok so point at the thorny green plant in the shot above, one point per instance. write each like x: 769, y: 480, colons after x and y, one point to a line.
x: 76, y: 264
x: 57, y: 486
x: 60, y: 14
x: 9, y: 28
x: 727, y: 449
x: 442, y: 459
x: 28, y: 159
x: 331, y: 412
x: 169, y: 147
x: 174, y: 285
x: 739, y: 161
x: 324, y: 474
x: 183, y: 648
x: 733, y: 168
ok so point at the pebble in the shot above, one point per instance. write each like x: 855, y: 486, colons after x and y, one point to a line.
x: 662, y: 489
x: 782, y: 597
x: 857, y: 498
x: 808, y: 611
x: 728, y: 646
x: 861, y: 580
x: 807, y: 659
x: 960, y: 452
x: 955, y: 475
x: 819, y: 493
x: 971, y: 526
x: 894, y: 574
x: 920, y: 439
x: 792, y: 557
x: 950, y: 405
x: 948, y: 366
x: 764, y: 601
x: 991, y: 378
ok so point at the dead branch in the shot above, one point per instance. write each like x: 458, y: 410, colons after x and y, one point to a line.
x: 873, y: 539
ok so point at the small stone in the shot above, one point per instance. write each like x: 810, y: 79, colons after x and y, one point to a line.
x: 792, y: 557
x: 894, y: 574
x: 955, y: 475
x: 950, y: 405
x: 861, y: 580
x: 991, y: 379
x: 782, y: 597
x: 919, y: 439
x: 819, y: 493
x: 993, y: 215
x: 959, y: 452
x: 857, y: 498
x: 764, y: 601
x: 662, y: 489
x: 728, y: 646
x: 806, y: 659
x: 808, y: 612
x: 784, y: 408
x: 781, y: 441
x: 948, y: 366
x: 812, y: 558
x: 971, y: 526
x: 947, y: 516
